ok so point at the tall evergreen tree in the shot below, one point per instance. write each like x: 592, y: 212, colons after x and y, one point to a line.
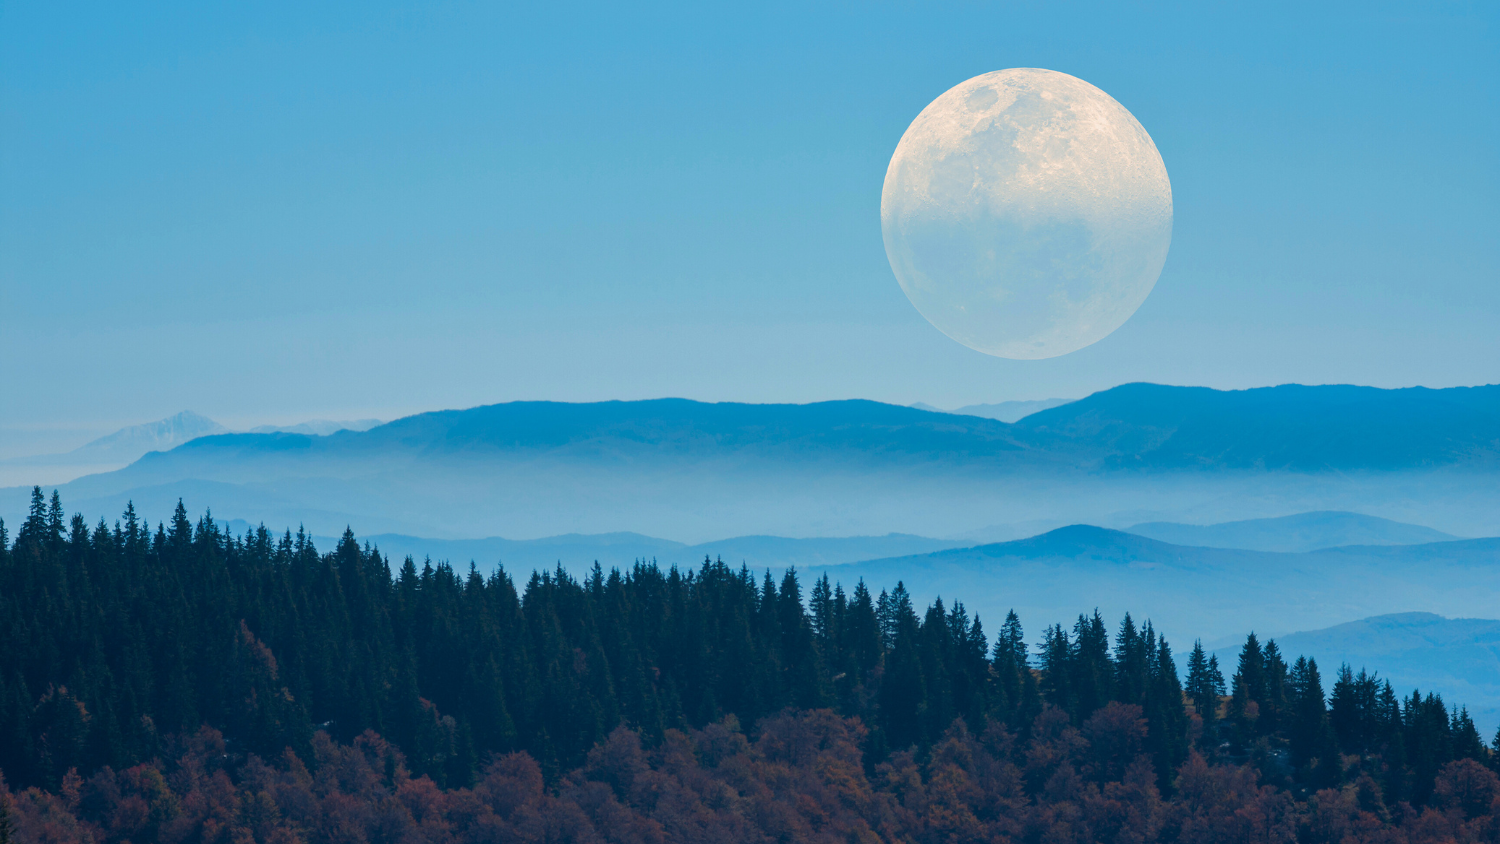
x: 1166, y: 716
x: 1247, y: 690
x: 1131, y: 664
x: 1205, y: 683
x: 1017, y: 696
x: 1093, y: 671
x: 1310, y: 738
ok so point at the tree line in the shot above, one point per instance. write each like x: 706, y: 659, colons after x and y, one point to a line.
x: 119, y: 639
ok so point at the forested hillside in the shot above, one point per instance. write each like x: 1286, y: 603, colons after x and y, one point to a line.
x: 183, y: 683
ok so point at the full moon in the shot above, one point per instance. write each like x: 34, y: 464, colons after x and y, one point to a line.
x: 1026, y: 213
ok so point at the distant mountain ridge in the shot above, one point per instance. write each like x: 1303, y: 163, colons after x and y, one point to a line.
x: 578, y: 551
x: 1292, y: 427
x: 1144, y: 426
x: 681, y: 426
x: 672, y: 467
x: 1333, y: 531
x: 318, y: 427
x: 130, y: 443
x: 1299, y: 532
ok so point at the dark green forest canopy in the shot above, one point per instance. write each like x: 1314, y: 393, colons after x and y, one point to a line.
x: 117, y: 639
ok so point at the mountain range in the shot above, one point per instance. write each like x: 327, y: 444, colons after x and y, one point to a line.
x: 318, y: 427
x: 1298, y: 532
x: 129, y: 444
x: 125, y: 446
x: 1295, y: 427
x: 695, y: 471
x: 577, y: 552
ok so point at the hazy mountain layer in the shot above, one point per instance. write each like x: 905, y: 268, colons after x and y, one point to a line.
x: 1295, y: 427
x: 318, y: 427
x: 1010, y: 411
x: 1300, y: 532
x: 1185, y: 591
x: 128, y: 444
x: 109, y: 452
x: 577, y: 552
x: 692, y: 471
x: 1005, y: 411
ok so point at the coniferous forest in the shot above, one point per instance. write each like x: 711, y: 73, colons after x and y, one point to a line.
x: 179, y: 683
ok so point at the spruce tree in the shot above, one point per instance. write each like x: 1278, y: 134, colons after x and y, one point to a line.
x: 1131, y: 664
x: 1056, y: 666
x: 1205, y: 683
x: 1466, y: 741
x: 1017, y: 697
x: 1093, y: 671
x: 1310, y: 738
x: 1247, y: 688
x: 1166, y: 716
x: 863, y: 636
x: 1274, y: 698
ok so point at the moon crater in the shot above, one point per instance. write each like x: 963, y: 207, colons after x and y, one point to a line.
x: 1026, y: 213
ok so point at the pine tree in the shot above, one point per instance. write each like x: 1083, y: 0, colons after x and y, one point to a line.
x: 1274, y: 699
x: 1092, y: 668
x: 1310, y: 737
x: 806, y: 682
x: 1247, y: 689
x: 970, y: 672
x: 1131, y: 668
x: 821, y: 604
x: 34, y: 529
x: 55, y: 520
x: 1166, y: 717
x: 885, y: 617
x: 1466, y: 741
x: 1017, y: 697
x: 1056, y: 666
x: 863, y: 636
x: 903, y: 692
x: 1205, y: 684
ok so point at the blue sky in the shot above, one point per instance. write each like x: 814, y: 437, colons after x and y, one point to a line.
x: 274, y: 212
